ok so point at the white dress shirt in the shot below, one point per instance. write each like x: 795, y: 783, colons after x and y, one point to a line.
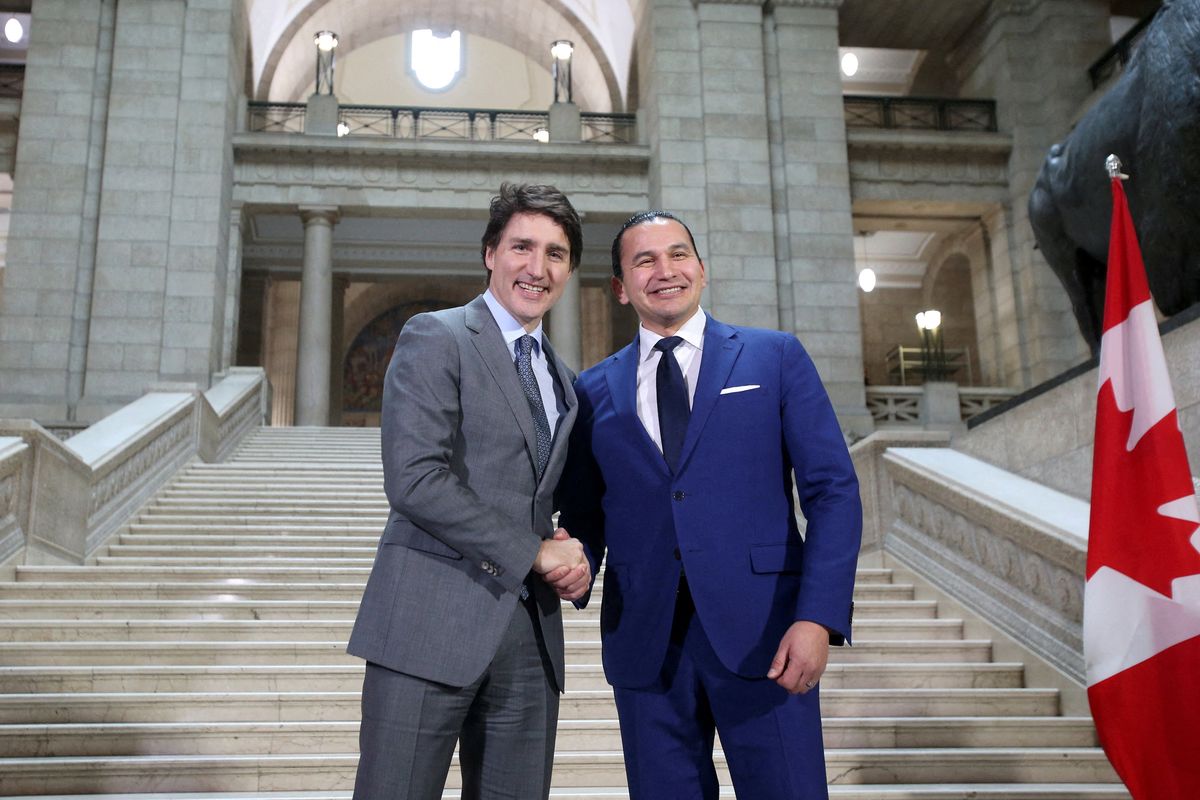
x: 512, y: 331
x: 687, y: 353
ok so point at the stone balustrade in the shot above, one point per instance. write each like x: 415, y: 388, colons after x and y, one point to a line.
x: 933, y: 405
x: 60, y: 501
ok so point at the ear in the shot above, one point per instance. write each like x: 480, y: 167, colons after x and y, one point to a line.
x: 703, y: 274
x: 618, y: 289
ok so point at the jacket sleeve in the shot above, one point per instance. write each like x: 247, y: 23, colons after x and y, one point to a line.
x: 581, y: 489
x: 827, y: 488
x: 422, y: 414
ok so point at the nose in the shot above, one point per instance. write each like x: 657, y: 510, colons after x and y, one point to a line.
x: 665, y: 267
x: 536, y: 265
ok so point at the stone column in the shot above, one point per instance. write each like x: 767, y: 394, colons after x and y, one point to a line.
x: 337, y: 346
x: 566, y: 327
x: 1008, y: 56
x: 737, y: 180
x: 316, y: 316
x: 813, y: 166
x: 233, y: 289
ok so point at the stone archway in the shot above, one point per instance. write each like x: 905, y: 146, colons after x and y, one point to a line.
x: 287, y: 64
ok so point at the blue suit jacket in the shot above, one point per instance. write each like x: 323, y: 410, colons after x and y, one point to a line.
x: 729, y: 509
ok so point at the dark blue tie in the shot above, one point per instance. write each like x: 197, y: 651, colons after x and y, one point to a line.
x: 533, y: 394
x: 673, y: 408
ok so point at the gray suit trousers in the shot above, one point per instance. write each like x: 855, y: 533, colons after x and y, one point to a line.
x: 506, y: 719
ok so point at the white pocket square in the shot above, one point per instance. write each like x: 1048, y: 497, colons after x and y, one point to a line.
x: 736, y: 389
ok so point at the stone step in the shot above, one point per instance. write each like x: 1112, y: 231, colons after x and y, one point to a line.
x: 210, y: 503
x: 334, y: 652
x: 348, y: 677
x: 212, y: 608
x: 308, y: 526
x: 330, y: 517
x: 168, y: 553
x: 260, y: 574
x: 181, y: 588
x: 80, y: 707
x: 234, y: 539
x: 306, y: 494
x: 902, y: 791
x: 313, y: 737
x: 317, y: 630
x: 580, y: 769
x: 281, y: 558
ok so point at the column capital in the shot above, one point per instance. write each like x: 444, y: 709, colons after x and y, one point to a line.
x: 330, y: 214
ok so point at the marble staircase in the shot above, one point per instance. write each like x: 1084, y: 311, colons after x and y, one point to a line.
x: 202, y: 656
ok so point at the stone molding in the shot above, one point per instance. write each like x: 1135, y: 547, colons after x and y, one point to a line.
x: 287, y: 171
x: 1021, y: 572
x: 78, y: 493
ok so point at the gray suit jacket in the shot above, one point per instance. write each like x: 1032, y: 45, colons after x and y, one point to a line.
x: 467, y: 509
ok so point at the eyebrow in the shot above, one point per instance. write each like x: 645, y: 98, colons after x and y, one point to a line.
x: 668, y: 249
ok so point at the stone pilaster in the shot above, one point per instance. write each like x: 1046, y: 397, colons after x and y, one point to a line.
x: 1015, y: 47
x: 316, y: 317
x: 337, y: 347
x: 737, y: 181
x: 671, y: 110
x: 811, y: 170
x: 50, y: 251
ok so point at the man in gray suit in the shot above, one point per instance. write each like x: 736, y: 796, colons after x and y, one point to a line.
x: 460, y: 623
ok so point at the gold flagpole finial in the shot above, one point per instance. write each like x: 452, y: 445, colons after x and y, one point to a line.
x: 1113, y: 164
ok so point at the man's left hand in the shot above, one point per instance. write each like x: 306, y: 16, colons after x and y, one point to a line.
x: 569, y: 583
x: 801, y: 658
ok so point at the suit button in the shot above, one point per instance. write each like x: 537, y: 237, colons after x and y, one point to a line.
x: 677, y: 495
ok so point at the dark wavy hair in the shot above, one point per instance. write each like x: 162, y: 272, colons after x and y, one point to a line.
x: 526, y: 198
x: 638, y: 219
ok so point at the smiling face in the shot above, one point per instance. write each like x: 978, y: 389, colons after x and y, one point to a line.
x: 661, y: 274
x: 529, y: 266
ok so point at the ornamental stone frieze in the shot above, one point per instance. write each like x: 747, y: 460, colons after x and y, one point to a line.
x: 363, y: 177
x: 1015, y: 567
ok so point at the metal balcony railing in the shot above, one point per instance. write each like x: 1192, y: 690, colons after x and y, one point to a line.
x: 456, y: 124
x: 12, y: 80
x: 920, y: 113
x: 1116, y: 57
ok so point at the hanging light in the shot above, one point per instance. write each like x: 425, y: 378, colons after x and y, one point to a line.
x: 343, y: 129
x: 542, y: 135
x: 866, y: 279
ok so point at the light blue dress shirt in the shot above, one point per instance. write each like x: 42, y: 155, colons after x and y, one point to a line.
x: 512, y: 330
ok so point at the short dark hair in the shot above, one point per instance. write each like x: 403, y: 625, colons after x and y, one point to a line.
x: 638, y: 219
x: 525, y: 198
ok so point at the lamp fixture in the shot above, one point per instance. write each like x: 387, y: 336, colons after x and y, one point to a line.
x: 326, y: 42
x: 343, y: 129
x: 542, y: 135
x: 929, y: 320
x: 13, y: 30
x: 849, y: 64
x: 561, y: 50
x: 866, y: 280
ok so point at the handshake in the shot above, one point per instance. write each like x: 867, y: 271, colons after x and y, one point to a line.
x: 561, y: 563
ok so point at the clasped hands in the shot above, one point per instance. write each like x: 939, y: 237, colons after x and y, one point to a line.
x: 561, y: 563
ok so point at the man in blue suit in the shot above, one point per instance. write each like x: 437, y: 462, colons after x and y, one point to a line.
x: 718, y: 614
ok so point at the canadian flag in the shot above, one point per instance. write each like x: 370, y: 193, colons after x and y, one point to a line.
x: 1141, y: 621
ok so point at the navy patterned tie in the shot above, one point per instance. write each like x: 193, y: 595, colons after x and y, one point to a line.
x: 673, y: 408
x: 534, y: 395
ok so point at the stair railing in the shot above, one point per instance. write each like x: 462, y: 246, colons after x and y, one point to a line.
x: 61, y: 500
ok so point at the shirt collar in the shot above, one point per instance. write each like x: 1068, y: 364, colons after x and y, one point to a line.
x: 510, y: 329
x: 691, y: 332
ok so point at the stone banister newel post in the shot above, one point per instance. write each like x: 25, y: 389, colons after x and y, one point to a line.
x: 316, y: 316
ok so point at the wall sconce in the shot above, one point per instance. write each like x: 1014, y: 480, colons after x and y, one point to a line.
x: 542, y: 135
x: 933, y: 353
x: 326, y: 42
x: 561, y: 51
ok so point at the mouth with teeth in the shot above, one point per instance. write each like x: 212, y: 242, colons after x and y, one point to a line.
x: 530, y: 288
x: 667, y: 291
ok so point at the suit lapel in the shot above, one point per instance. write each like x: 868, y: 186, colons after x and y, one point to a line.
x: 621, y: 374
x: 558, y: 449
x: 721, y: 349
x: 489, y: 342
